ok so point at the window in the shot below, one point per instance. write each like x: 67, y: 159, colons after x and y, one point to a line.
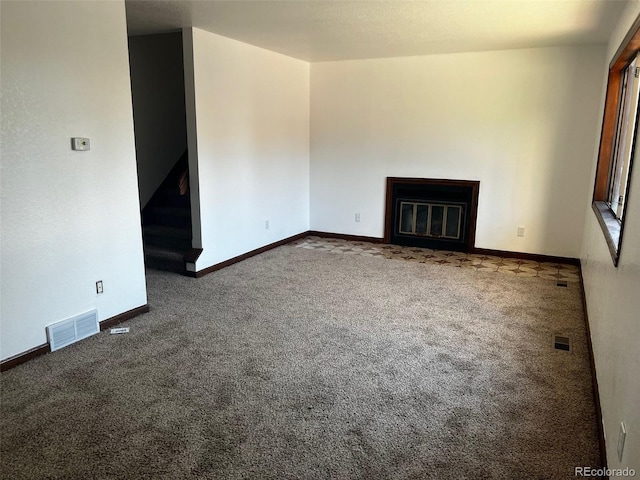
x: 625, y: 139
x: 617, y: 143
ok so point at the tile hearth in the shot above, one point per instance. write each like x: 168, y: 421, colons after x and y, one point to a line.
x: 508, y: 266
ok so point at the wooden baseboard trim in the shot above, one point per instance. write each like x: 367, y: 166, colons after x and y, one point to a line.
x: 526, y: 256
x: 244, y: 256
x: 360, y: 238
x: 343, y: 236
x: 24, y: 357
x: 46, y: 348
x: 480, y: 251
x: 129, y: 314
x: 594, y: 378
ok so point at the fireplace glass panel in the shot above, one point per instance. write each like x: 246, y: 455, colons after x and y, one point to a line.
x: 422, y: 213
x: 406, y: 217
x: 437, y: 214
x: 452, y: 227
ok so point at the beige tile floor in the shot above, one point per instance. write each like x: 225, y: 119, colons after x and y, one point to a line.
x: 507, y: 266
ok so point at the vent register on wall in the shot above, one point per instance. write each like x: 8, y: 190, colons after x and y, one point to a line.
x: 73, y: 329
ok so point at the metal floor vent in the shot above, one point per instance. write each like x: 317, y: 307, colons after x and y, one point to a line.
x: 562, y: 343
x: 562, y: 283
x: 72, y: 329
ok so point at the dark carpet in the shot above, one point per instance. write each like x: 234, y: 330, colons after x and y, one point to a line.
x: 299, y: 364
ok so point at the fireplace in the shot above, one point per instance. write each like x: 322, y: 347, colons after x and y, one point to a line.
x: 431, y: 213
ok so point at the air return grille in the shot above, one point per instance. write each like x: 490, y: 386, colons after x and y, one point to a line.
x: 71, y: 330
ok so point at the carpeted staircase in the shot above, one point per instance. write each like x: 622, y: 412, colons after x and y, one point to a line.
x: 166, y: 221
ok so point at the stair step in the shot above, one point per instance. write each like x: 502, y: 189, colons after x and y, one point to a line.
x: 173, y: 198
x: 164, y: 259
x: 165, y: 252
x: 172, y: 238
x: 171, y: 216
x: 175, y: 211
x: 165, y: 231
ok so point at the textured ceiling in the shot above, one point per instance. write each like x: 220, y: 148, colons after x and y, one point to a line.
x: 339, y: 30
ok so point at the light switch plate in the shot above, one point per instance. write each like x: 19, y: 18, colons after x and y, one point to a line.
x: 80, y: 143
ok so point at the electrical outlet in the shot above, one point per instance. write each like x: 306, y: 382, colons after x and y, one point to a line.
x: 521, y: 231
x: 622, y: 434
x: 99, y: 287
x: 266, y: 224
x: 357, y: 217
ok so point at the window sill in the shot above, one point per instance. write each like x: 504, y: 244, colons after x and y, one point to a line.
x: 611, y: 227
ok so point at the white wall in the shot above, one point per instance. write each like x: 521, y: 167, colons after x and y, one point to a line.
x: 514, y: 120
x: 157, y: 83
x: 192, y: 140
x: 68, y: 218
x: 613, y: 300
x: 252, y: 117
